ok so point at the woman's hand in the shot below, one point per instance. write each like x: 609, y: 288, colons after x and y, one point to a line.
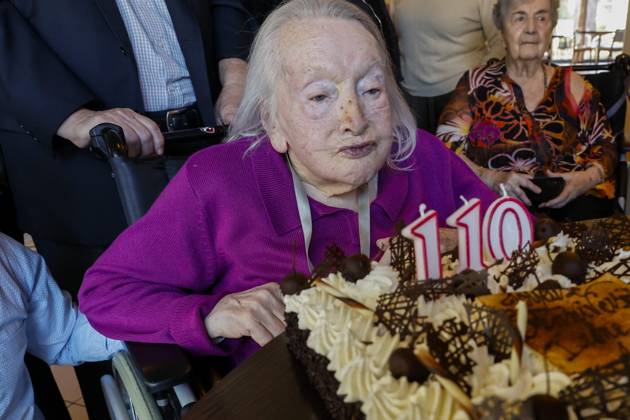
x: 576, y: 184
x: 257, y: 313
x: 514, y: 183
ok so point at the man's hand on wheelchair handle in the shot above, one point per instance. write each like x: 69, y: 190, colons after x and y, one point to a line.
x: 257, y: 313
x: 142, y: 134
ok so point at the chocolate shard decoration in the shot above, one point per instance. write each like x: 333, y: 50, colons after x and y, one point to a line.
x: 618, y: 227
x: 602, y: 392
x: 449, y: 345
x: 398, y: 312
x: 470, y: 283
x: 596, y: 245
x: 403, y: 256
x: 522, y: 264
x: 573, y: 229
x: 492, y: 328
x: 495, y: 408
x: 333, y: 260
x: 621, y: 269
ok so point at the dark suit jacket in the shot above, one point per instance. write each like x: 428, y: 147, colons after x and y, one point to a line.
x: 60, y: 55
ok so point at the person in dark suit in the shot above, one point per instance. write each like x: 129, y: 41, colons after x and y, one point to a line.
x: 69, y: 65
x: 376, y: 9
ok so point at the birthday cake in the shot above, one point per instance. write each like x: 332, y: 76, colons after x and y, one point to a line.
x: 542, y: 335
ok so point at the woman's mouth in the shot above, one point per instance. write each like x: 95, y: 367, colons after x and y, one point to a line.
x: 358, y: 151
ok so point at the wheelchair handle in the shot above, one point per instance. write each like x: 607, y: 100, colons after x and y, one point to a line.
x: 108, y: 140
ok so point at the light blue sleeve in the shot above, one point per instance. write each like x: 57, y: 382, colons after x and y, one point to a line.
x: 56, y: 331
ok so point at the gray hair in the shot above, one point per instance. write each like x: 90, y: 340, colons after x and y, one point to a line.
x: 502, y: 7
x: 259, y: 99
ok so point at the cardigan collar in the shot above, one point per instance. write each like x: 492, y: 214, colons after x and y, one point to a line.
x: 275, y: 186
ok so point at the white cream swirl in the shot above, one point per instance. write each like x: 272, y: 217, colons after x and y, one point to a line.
x: 389, y: 398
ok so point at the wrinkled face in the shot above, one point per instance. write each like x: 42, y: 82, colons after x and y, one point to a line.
x: 332, y: 114
x: 527, y: 29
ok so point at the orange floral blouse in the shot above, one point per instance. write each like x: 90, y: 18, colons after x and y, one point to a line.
x: 487, y: 121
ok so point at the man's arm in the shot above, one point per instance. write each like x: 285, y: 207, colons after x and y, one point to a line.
x: 232, y: 74
x: 232, y: 43
x: 57, y: 332
x: 494, y: 39
x: 41, y: 90
x: 46, y: 98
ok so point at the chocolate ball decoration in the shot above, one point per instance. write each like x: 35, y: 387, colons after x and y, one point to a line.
x: 293, y: 283
x: 546, y: 228
x: 569, y: 264
x: 545, y: 406
x: 402, y: 362
x: 355, y: 267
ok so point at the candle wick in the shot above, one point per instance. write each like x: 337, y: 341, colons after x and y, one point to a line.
x: 422, y: 209
x: 461, y: 197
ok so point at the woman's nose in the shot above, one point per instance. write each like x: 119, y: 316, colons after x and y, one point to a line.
x: 531, y: 26
x: 352, y: 119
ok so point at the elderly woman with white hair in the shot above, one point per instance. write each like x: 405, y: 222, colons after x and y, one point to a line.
x: 323, y: 151
x: 528, y: 125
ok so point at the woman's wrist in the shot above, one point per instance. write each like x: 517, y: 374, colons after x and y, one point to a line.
x: 489, y: 177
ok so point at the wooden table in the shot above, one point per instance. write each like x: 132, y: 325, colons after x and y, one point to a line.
x: 269, y: 385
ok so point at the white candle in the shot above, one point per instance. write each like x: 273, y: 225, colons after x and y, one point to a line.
x: 426, y: 242
x: 506, y: 227
x: 467, y: 220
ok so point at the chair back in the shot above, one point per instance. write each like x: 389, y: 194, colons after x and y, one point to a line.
x: 610, y: 80
x: 141, y: 180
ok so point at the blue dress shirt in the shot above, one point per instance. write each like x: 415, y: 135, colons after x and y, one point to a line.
x: 36, y: 316
x: 164, y: 79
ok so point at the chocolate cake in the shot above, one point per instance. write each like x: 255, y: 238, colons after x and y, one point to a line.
x: 545, y: 332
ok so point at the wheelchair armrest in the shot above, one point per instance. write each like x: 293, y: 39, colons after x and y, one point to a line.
x: 162, y: 365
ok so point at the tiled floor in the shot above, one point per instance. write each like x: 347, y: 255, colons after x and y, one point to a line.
x: 69, y: 387
x: 65, y: 377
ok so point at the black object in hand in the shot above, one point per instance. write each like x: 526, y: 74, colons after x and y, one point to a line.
x: 551, y: 187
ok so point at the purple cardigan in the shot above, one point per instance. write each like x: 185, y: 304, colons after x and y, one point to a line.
x: 229, y: 222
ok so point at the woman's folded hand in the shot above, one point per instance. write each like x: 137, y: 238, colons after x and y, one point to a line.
x: 257, y: 313
x: 514, y: 183
x: 576, y: 184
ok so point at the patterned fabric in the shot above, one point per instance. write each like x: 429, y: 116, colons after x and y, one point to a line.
x: 164, y: 78
x: 487, y: 121
x: 37, y: 317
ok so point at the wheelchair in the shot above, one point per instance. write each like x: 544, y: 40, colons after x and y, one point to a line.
x: 150, y: 381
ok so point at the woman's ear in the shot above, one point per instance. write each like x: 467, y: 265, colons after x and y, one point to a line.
x: 275, y: 133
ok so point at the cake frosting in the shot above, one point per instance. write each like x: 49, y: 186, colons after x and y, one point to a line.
x: 356, y: 326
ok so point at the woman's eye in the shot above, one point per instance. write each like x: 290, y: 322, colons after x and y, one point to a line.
x: 318, y: 98
x: 373, y: 91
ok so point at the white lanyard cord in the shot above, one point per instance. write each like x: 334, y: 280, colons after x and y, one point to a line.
x: 306, y: 220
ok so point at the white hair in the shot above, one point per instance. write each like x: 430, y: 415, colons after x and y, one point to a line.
x: 265, y: 62
x: 502, y: 7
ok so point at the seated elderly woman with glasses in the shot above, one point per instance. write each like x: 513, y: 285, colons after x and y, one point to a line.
x: 323, y: 151
x: 531, y: 126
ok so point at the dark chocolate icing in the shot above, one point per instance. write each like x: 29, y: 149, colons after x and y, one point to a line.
x: 402, y: 362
